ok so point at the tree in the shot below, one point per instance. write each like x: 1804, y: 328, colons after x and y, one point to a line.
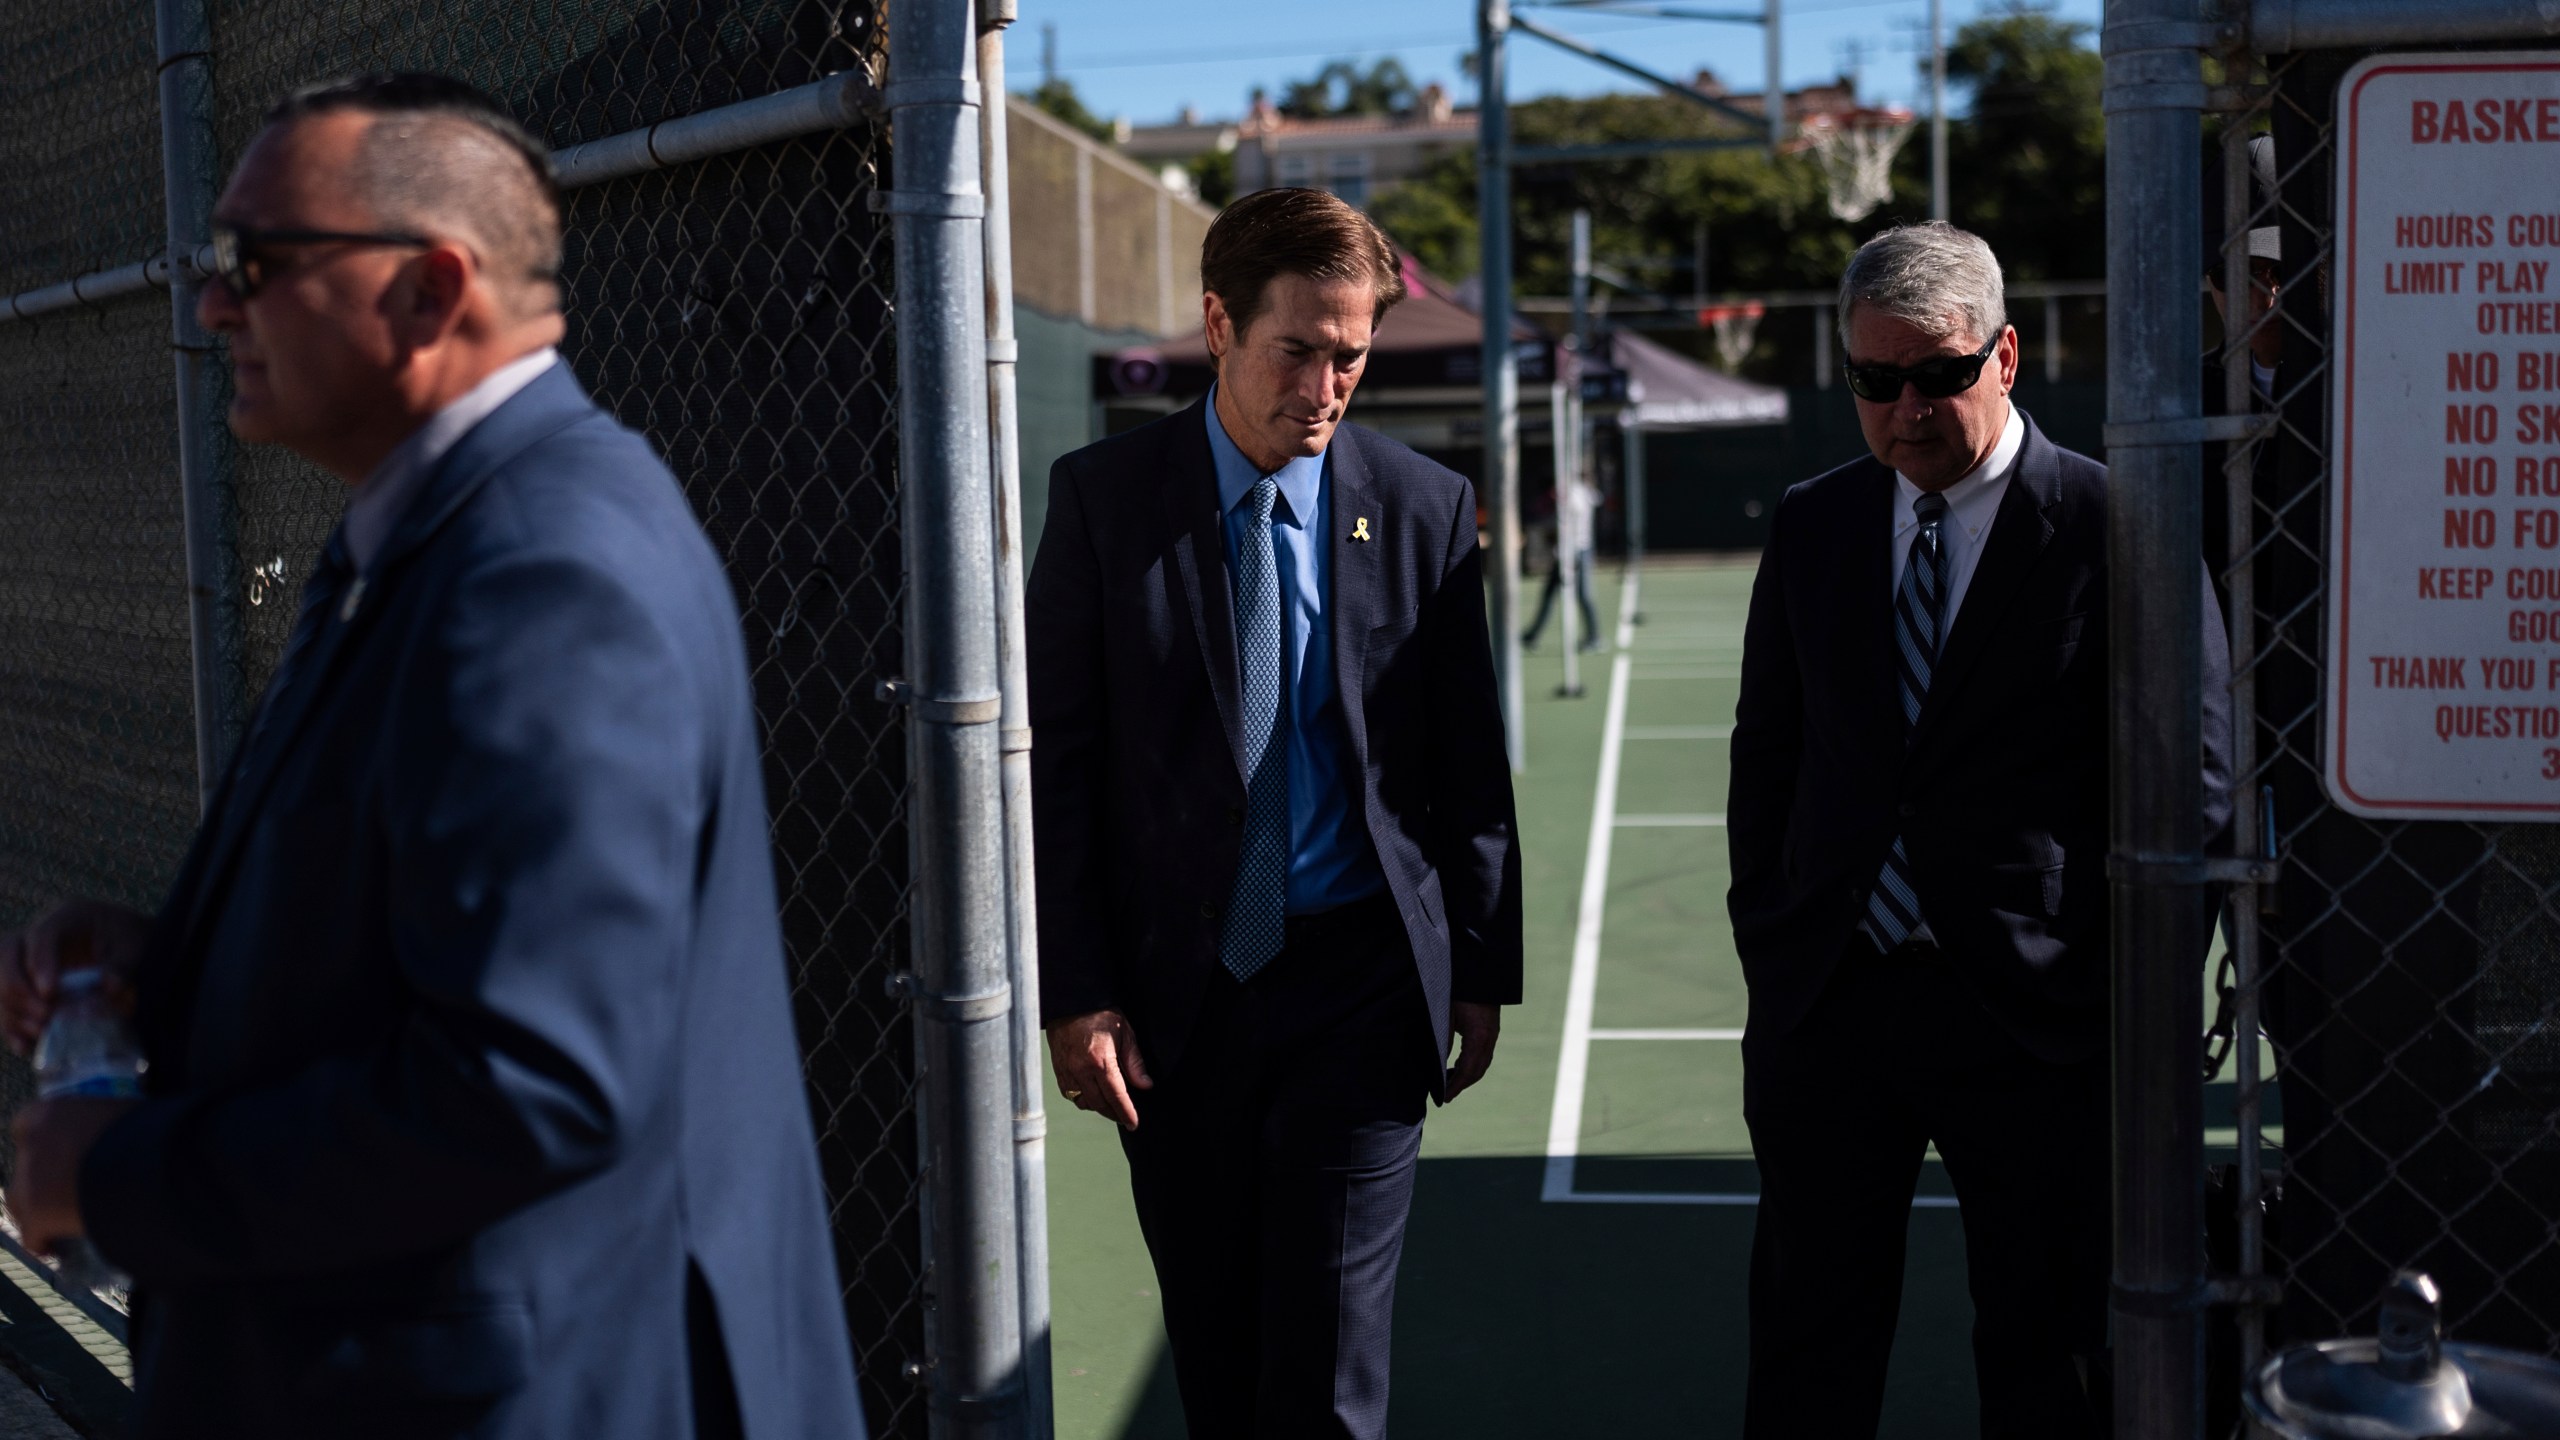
x: 1213, y: 176
x: 1058, y: 100
x: 1766, y: 218
x: 2027, y: 169
x: 1343, y: 88
x: 1433, y: 216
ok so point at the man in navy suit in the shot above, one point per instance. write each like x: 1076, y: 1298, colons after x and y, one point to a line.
x: 1919, y: 834
x: 473, y: 1103
x: 1278, y: 872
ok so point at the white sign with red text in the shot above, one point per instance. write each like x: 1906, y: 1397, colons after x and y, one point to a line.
x: 2444, y: 516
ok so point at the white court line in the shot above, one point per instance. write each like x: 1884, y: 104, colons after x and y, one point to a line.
x: 1573, y: 1062
x: 1679, y: 732
x: 1674, y: 1197
x: 1692, y: 672
x: 1671, y: 822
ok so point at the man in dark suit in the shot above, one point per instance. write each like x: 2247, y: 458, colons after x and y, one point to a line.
x: 1919, y: 835
x: 1274, y: 824
x: 473, y: 1104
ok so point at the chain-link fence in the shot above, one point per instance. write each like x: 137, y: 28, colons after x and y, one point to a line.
x: 735, y: 310
x: 2404, y: 975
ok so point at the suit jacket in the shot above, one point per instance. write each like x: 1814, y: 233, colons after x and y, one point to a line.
x: 2000, y: 795
x: 472, y: 1078
x: 1137, y: 760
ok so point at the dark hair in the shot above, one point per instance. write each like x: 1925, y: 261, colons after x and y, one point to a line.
x: 1293, y: 232
x: 417, y: 92
x: 444, y: 154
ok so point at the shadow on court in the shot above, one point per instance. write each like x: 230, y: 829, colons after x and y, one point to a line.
x: 1518, y: 1318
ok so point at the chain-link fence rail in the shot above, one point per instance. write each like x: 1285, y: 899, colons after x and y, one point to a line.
x: 732, y: 303
x: 2389, y: 1035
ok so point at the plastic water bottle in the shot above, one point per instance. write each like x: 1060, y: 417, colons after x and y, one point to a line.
x: 88, y: 1050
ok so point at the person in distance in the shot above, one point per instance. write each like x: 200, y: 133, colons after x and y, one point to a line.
x: 1919, y: 829
x: 473, y: 1104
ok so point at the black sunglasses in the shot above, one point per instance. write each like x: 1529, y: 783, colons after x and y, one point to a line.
x: 240, y: 261
x: 1937, y: 377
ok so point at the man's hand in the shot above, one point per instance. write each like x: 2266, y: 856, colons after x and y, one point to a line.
x: 1097, y: 1060
x: 53, y: 1137
x: 1474, y: 1026
x: 81, y: 935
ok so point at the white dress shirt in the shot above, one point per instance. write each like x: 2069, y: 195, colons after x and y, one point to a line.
x: 1972, y: 503
x: 384, y: 496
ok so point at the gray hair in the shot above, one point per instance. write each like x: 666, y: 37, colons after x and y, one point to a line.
x: 1933, y: 277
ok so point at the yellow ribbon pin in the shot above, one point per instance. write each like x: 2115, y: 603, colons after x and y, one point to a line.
x: 1360, y: 528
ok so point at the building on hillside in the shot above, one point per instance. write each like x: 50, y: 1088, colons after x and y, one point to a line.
x: 1836, y: 99
x: 1361, y: 157
x: 1167, y: 149
x: 1358, y: 157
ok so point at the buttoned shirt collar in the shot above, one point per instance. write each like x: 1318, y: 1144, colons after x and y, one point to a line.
x: 1972, y: 504
x: 1299, y: 479
x: 385, y: 495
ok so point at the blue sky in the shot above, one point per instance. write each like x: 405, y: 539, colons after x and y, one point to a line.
x: 1146, y: 59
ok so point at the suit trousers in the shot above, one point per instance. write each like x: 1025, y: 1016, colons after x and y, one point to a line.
x: 1896, y: 1054
x: 1273, y: 1169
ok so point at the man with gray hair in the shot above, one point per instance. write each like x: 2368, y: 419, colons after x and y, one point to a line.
x: 1918, y: 817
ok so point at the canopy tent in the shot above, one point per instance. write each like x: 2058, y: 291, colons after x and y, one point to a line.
x: 1669, y: 391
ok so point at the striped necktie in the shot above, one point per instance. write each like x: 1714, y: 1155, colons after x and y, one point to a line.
x: 1257, y: 909
x: 1919, y: 633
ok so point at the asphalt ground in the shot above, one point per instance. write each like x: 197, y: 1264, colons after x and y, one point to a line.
x: 1609, y: 1298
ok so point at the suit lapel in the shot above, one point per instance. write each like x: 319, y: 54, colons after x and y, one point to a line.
x: 2019, y: 532
x: 552, y: 402
x: 1200, y: 554
x: 1868, y: 586
x: 1352, y: 608
x: 330, y: 615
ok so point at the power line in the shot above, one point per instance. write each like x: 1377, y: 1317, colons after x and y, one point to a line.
x: 1142, y: 59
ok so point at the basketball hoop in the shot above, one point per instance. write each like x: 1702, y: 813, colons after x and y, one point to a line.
x: 1856, y: 153
x: 1735, y: 326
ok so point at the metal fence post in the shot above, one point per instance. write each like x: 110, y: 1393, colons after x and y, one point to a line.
x: 187, y: 160
x: 1030, y: 1124
x: 962, y: 1000
x: 1500, y: 490
x: 1633, y: 439
x: 2240, y: 585
x: 2155, y: 97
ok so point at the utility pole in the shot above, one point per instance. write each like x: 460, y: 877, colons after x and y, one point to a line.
x: 1501, y: 481
x: 1048, y: 53
x: 1777, y: 88
x: 1937, y: 110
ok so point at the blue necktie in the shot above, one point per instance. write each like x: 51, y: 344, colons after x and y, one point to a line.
x: 1919, y: 633
x: 1257, y: 910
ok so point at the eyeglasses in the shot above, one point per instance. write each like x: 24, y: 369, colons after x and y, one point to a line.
x: 1937, y: 377
x: 239, y: 252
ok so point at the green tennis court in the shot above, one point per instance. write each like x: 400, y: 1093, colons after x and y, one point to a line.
x: 1581, y: 1232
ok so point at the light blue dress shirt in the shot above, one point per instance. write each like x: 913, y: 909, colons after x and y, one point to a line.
x: 1330, y: 859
